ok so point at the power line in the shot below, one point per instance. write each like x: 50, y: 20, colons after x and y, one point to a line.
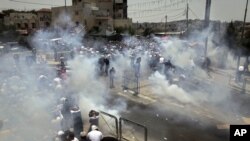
x: 193, y: 13
x: 169, y: 19
x: 160, y: 14
x: 152, y: 19
x: 161, y: 7
x: 155, y: 10
x: 151, y: 13
x: 175, y: 18
x: 148, y: 2
x: 33, y: 3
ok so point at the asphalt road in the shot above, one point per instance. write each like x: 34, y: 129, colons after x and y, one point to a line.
x: 164, y: 123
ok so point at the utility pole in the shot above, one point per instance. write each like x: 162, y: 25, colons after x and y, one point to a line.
x: 187, y: 16
x: 241, y: 39
x: 206, y: 25
x: 65, y: 5
x: 166, y: 17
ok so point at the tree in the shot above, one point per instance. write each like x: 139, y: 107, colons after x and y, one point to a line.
x: 131, y: 31
x: 119, y: 30
x: 246, y: 42
x: 230, y: 36
x: 147, y: 32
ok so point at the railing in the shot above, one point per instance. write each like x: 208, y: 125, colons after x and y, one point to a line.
x: 118, y: 127
x: 134, y: 123
x: 116, y: 122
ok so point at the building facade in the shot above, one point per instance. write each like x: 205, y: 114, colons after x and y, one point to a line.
x: 28, y: 21
x: 24, y: 21
x: 44, y: 18
x: 97, y: 16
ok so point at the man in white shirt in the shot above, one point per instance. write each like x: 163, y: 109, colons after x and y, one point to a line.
x: 95, y: 134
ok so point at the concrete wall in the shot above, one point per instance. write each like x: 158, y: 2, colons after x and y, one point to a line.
x: 106, y: 7
x: 123, y: 23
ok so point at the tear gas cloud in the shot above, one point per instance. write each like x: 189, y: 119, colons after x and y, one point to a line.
x: 27, y: 111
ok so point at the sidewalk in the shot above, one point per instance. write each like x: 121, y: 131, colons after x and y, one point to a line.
x: 228, y: 76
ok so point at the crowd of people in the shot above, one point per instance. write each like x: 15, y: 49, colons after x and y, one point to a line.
x: 71, y: 125
x: 68, y: 116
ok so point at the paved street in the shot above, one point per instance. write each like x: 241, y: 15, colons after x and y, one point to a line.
x: 173, y: 120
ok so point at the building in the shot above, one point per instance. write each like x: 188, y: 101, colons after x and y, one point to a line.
x: 1, y: 18
x: 44, y: 17
x: 28, y: 21
x: 98, y: 16
x: 21, y: 20
x: 57, y: 12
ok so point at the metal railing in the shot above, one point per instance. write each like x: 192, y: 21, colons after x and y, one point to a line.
x: 116, y: 122
x: 118, y: 127
x: 134, y: 123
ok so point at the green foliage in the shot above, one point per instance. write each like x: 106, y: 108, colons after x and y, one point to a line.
x: 120, y: 30
x: 131, y: 31
x: 147, y: 32
x: 230, y: 36
x: 246, y: 40
x: 95, y: 29
x: 7, y: 12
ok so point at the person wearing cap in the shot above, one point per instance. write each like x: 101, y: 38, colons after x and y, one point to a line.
x: 95, y: 134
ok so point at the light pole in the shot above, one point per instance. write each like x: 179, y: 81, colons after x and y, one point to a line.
x: 241, y: 39
x: 207, y: 17
x: 187, y: 16
x: 166, y: 18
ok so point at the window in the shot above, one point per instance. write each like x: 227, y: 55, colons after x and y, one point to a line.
x: 18, y: 25
x: 26, y: 25
x: 47, y: 24
x: 33, y: 25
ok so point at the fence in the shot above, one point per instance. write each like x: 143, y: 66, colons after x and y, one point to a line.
x: 125, y: 130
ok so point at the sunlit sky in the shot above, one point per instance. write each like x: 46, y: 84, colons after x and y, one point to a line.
x: 155, y: 10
